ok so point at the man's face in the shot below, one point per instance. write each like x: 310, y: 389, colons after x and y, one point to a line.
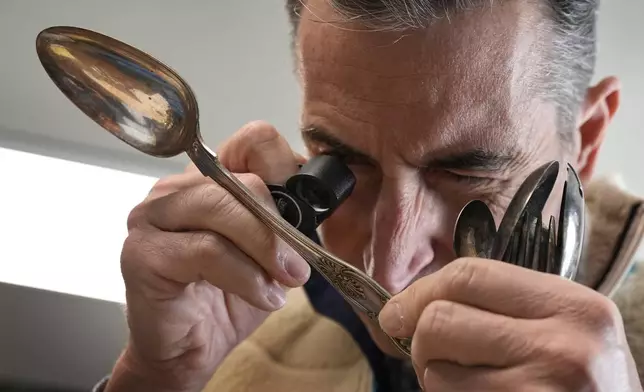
x: 428, y: 120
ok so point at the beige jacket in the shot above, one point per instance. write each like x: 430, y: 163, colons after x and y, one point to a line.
x: 299, y: 350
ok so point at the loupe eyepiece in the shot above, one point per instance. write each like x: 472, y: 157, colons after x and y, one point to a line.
x: 324, y: 182
x: 314, y: 193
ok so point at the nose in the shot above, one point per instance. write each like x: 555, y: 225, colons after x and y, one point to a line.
x: 406, y: 221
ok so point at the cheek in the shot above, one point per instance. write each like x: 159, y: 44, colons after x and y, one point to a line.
x: 455, y: 195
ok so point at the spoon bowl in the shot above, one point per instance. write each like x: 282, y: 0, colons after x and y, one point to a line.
x: 474, y: 231
x: 127, y: 92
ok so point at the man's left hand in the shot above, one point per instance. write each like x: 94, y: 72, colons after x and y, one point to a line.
x: 485, y: 325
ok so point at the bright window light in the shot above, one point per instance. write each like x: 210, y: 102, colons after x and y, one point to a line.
x: 63, y: 223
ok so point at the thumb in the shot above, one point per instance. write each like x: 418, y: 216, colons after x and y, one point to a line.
x: 259, y: 148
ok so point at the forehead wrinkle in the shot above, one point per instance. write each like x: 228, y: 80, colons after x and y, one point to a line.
x: 370, y: 87
x: 346, y: 126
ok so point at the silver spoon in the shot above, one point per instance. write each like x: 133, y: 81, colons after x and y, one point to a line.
x: 150, y: 107
x: 531, y: 198
x: 475, y: 231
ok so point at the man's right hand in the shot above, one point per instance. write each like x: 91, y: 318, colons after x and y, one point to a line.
x: 201, y: 272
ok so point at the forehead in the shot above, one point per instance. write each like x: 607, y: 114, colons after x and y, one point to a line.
x: 463, y: 77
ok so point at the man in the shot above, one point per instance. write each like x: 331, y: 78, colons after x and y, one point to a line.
x: 432, y: 104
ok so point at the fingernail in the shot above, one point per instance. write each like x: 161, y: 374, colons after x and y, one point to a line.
x: 420, y: 383
x: 298, y: 269
x: 294, y: 264
x: 391, y: 320
x: 276, y: 296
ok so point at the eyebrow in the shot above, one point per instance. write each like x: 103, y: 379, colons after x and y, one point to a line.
x: 475, y: 159
x: 335, y: 146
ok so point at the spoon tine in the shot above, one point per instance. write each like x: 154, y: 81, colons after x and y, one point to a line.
x: 531, y: 243
x: 524, y: 243
x: 531, y: 196
x: 537, y: 252
x: 551, y: 247
x: 515, y: 242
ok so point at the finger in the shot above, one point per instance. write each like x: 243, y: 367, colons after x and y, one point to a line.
x: 211, y: 208
x: 300, y: 159
x: 185, y: 258
x: 486, y: 284
x: 191, y: 168
x: 467, y: 336
x: 177, y: 182
x: 164, y: 187
x: 440, y: 376
x: 259, y: 149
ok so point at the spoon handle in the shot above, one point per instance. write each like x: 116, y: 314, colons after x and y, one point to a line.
x: 357, y: 288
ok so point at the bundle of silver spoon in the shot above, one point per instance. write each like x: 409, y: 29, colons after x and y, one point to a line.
x: 522, y: 238
x: 150, y: 107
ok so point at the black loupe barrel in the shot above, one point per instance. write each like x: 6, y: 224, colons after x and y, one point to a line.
x: 324, y: 182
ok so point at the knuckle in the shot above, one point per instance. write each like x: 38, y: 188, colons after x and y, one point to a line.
x: 252, y: 181
x: 144, y: 262
x: 164, y: 183
x: 260, y: 131
x: 437, y: 317
x: 133, y: 253
x: 255, y: 184
x: 572, y: 359
x: 204, y: 246
x: 167, y: 185
x: 464, y: 273
x: 212, y: 199
x: 136, y: 216
x: 171, y: 184
x: 603, y: 313
x: 132, y: 243
x: 596, y: 314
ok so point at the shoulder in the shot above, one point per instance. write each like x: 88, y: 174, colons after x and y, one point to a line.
x: 295, y: 349
x: 629, y: 298
x: 614, y: 257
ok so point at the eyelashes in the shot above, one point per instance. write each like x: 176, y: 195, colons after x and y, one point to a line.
x: 461, y: 179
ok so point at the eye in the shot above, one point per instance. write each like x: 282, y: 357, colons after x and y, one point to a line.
x: 458, y: 177
x: 346, y: 158
x: 461, y: 176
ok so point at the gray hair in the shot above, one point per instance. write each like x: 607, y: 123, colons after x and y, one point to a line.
x: 567, y: 68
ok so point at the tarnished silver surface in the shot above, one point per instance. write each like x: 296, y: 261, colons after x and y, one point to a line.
x: 571, y: 225
x: 522, y: 239
x: 474, y: 231
x: 531, y: 196
x: 150, y: 107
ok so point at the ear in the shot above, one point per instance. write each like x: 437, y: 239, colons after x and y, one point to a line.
x: 599, y: 108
